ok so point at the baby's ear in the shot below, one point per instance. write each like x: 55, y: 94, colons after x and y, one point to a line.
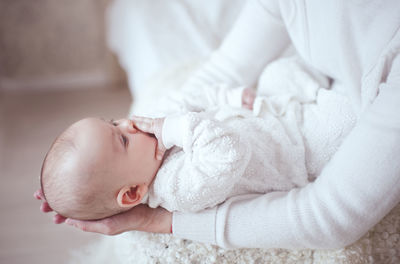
x: 130, y: 196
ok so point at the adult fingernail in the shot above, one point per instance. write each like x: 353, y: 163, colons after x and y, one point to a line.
x: 56, y: 220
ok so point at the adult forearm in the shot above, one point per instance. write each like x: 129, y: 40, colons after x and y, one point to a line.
x: 358, y: 187
x: 257, y: 37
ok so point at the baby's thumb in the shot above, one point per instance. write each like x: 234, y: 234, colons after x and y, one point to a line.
x: 160, y: 152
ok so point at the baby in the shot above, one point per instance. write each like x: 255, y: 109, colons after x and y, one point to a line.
x: 96, y: 168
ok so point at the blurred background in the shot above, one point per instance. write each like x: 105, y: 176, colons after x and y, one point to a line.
x: 55, y: 68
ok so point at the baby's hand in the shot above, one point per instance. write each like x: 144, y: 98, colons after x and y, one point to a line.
x: 248, y: 97
x: 153, y: 126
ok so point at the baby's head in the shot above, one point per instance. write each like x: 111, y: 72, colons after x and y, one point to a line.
x: 95, y: 168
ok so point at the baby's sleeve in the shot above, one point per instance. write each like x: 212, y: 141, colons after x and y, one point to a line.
x: 214, y: 160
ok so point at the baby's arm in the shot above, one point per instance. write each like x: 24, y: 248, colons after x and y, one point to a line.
x: 215, y: 157
x: 214, y: 160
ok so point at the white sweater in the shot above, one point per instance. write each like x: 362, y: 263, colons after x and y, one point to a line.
x: 355, y: 43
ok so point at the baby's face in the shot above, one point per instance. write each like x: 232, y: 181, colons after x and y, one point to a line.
x: 117, y: 147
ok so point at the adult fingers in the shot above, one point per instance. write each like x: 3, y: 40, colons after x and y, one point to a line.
x: 59, y: 219
x: 97, y: 226
x: 39, y: 194
x: 45, y: 207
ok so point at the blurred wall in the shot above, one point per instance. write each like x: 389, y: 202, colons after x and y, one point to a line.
x: 48, y: 44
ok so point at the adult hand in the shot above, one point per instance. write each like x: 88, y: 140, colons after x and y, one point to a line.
x: 45, y: 208
x: 140, y: 218
x: 153, y: 126
x: 248, y: 97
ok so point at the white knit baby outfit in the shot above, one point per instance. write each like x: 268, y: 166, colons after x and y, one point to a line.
x: 227, y: 150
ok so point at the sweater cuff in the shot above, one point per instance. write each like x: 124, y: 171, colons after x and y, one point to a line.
x: 234, y: 97
x: 172, y: 131
x: 198, y: 226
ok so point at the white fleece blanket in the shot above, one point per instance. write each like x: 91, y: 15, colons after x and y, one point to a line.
x: 380, y: 245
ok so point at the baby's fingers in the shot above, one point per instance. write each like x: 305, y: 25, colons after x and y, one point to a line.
x: 144, y: 123
x: 160, y: 153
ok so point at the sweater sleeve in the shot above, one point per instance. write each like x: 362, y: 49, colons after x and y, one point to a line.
x: 209, y: 96
x: 356, y: 189
x: 258, y: 37
x: 215, y: 157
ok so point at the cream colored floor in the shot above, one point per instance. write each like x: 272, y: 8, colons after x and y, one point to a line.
x: 29, y: 123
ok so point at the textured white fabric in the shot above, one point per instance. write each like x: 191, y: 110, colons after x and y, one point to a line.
x: 356, y: 45
x: 300, y: 97
x: 226, y: 154
x: 228, y: 151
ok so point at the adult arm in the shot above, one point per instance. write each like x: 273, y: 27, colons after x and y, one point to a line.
x: 356, y: 189
x: 257, y: 38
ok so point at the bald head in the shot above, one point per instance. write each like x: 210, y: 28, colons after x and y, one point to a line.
x: 72, y: 176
